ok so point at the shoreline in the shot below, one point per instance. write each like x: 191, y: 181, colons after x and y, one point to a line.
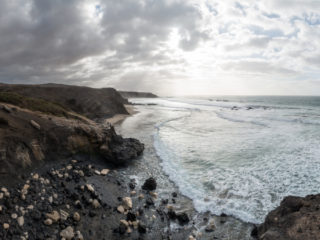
x: 62, y: 187
x: 81, y: 198
x: 65, y: 175
x: 206, y: 225
x: 58, y: 193
x: 118, y: 118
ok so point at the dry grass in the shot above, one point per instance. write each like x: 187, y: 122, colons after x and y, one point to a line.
x: 34, y: 104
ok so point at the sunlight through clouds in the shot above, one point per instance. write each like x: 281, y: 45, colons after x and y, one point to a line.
x: 214, y: 47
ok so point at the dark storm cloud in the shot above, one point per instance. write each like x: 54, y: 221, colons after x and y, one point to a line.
x: 48, y: 33
x: 42, y: 39
x: 157, y: 44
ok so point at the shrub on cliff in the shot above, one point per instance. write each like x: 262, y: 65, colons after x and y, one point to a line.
x: 34, y: 104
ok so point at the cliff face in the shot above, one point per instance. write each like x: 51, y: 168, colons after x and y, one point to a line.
x: 28, y: 138
x: 137, y: 94
x: 90, y: 102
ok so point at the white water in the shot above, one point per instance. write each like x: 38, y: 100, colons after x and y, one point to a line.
x: 239, y: 162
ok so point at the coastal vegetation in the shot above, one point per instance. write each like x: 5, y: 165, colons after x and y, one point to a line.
x: 34, y: 104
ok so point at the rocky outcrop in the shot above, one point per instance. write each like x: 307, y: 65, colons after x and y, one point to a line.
x: 90, y: 102
x: 137, y: 94
x: 121, y: 149
x: 150, y: 184
x: 296, y: 218
x: 28, y: 138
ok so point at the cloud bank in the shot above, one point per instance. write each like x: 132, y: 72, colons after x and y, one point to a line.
x: 164, y: 46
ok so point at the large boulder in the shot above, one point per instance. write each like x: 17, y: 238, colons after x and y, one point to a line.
x: 150, y: 184
x: 124, y: 149
x: 297, y: 218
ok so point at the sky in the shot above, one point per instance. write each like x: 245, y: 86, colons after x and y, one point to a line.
x: 169, y: 47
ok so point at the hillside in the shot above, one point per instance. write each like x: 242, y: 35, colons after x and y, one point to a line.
x: 29, y: 139
x: 44, y: 122
x: 126, y: 94
x: 90, y: 102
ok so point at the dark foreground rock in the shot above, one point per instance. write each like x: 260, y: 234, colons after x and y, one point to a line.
x: 296, y: 218
x: 150, y: 184
x: 123, y: 149
x: 74, y: 200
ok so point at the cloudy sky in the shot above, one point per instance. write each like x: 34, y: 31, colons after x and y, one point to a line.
x: 170, y: 47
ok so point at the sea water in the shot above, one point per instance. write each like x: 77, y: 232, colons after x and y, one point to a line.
x: 235, y: 155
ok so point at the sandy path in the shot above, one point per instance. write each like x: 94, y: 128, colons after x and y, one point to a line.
x: 118, y: 118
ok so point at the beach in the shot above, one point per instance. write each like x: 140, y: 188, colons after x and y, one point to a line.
x: 239, y: 157
x: 160, y: 168
x: 118, y: 118
x: 86, y: 197
x: 205, y: 225
x: 82, y: 199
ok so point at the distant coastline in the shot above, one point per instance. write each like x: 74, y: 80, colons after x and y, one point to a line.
x: 129, y: 94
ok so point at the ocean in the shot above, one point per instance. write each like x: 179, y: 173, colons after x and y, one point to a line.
x: 235, y: 155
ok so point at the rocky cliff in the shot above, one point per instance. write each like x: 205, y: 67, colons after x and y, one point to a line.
x: 297, y: 218
x: 71, y: 195
x: 90, y: 102
x: 34, y: 131
x: 126, y: 94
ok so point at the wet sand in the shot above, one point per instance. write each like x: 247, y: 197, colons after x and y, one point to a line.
x: 118, y: 118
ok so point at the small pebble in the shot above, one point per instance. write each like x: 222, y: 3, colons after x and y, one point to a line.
x: 20, y: 221
x: 120, y: 209
x: 35, y: 176
x: 127, y: 202
x: 104, y: 172
x: 95, y: 203
x: 76, y: 216
x: 6, y: 226
x: 48, y: 222
x: 90, y: 187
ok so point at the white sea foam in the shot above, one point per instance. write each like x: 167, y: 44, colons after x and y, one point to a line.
x: 239, y: 162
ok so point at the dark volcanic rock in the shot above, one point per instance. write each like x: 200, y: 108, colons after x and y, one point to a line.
x: 122, y: 229
x: 254, y: 232
x: 124, y: 149
x: 296, y: 218
x: 183, y: 218
x: 150, y: 184
x: 132, y: 184
x: 52, y: 206
x: 142, y: 227
x: 172, y: 214
x: 131, y: 216
x: 149, y: 201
